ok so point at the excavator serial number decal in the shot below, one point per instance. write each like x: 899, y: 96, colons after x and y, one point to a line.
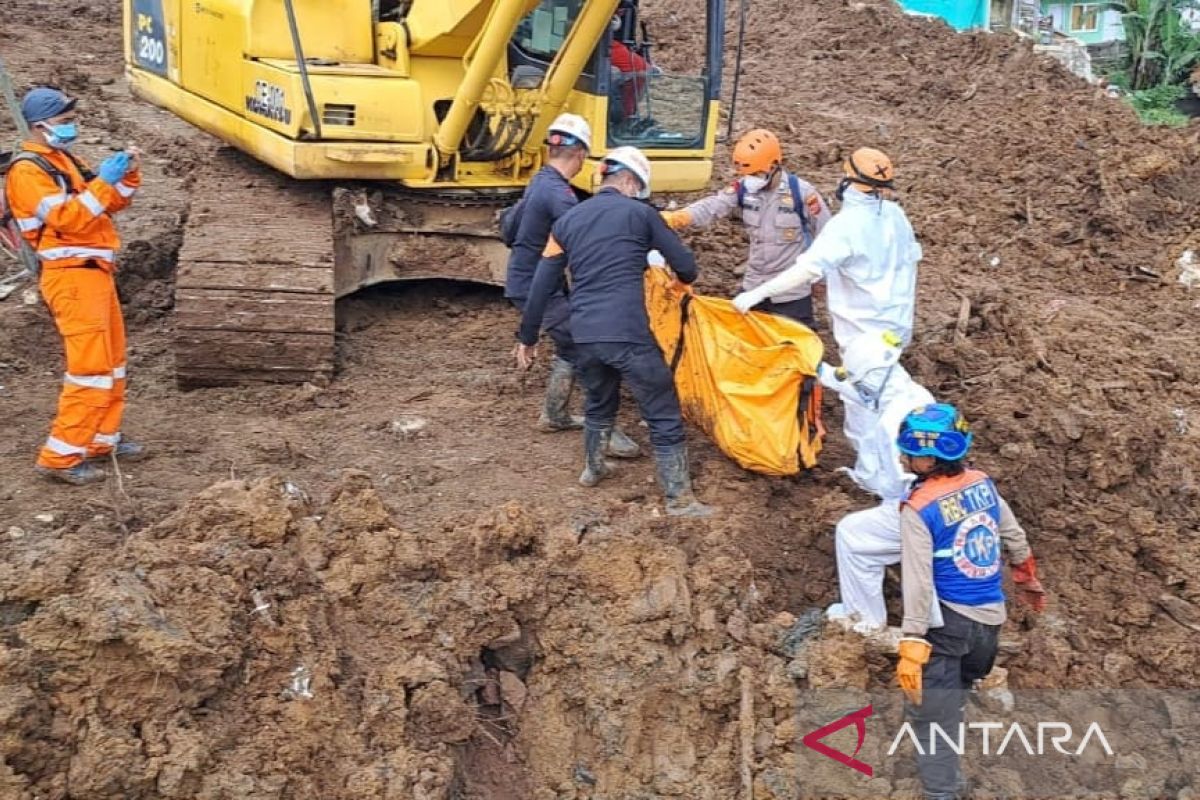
x: 149, y: 41
x: 269, y: 101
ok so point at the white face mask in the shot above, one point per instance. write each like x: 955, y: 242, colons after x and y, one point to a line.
x: 753, y: 184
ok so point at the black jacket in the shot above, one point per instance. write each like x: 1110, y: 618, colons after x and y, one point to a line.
x: 547, y: 197
x: 604, y: 242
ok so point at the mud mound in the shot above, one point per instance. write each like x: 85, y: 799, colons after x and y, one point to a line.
x: 1000, y: 152
x: 1051, y: 220
x: 253, y: 646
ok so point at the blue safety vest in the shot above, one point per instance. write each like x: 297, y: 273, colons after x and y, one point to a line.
x: 963, y: 516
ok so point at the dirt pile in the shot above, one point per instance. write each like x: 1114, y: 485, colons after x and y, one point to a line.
x: 1051, y: 221
x: 253, y: 646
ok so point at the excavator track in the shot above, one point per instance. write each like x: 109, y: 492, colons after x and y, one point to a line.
x: 254, y: 294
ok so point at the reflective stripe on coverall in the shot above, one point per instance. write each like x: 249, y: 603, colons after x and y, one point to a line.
x: 76, y: 242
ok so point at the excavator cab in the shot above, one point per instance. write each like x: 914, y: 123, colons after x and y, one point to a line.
x: 648, y: 106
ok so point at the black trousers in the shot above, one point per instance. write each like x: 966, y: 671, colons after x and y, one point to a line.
x: 963, y: 651
x: 556, y: 323
x: 601, y: 368
x: 800, y: 310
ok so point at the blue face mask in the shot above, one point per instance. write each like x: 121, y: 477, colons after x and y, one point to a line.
x: 62, y: 135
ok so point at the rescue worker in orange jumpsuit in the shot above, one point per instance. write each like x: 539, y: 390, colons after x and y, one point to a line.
x: 64, y: 211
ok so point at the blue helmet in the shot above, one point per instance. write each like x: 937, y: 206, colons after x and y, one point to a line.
x: 935, y: 430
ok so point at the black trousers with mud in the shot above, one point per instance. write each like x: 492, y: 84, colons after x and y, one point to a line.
x: 601, y: 368
x: 963, y: 651
x: 557, y: 324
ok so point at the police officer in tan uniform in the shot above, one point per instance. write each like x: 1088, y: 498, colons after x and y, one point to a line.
x: 782, y: 215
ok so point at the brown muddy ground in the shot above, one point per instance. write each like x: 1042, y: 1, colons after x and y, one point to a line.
x: 470, y: 622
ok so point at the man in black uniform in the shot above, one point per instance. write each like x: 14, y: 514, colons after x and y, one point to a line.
x: 605, y: 243
x: 549, y: 196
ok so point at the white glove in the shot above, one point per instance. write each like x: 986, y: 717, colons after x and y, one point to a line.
x: 746, y: 301
x: 655, y: 259
x: 827, y: 375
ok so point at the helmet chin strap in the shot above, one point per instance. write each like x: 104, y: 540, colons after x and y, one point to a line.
x: 877, y: 187
x: 840, y: 192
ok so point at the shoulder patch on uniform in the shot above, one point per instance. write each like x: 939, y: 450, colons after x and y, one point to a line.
x: 813, y: 201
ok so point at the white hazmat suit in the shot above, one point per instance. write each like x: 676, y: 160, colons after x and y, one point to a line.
x: 867, y: 254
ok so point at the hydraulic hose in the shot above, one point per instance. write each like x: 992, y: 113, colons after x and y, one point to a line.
x: 737, y: 66
x: 300, y: 62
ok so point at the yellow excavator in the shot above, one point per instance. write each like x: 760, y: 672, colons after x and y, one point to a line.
x: 382, y: 138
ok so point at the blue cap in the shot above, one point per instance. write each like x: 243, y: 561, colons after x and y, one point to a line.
x: 42, y: 102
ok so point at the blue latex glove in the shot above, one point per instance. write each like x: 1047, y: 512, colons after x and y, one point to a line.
x: 113, y: 168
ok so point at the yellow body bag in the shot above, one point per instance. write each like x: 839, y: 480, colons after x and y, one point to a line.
x: 748, y: 380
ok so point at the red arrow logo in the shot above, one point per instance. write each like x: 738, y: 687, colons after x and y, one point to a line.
x: 856, y: 718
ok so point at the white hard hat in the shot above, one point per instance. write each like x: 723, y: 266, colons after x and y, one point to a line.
x: 632, y: 159
x: 870, y: 352
x: 570, y: 125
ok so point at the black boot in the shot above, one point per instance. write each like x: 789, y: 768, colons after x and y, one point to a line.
x: 621, y: 446
x: 672, y: 463
x: 559, y: 384
x: 596, y: 468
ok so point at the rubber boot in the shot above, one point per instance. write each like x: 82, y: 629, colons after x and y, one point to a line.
x: 672, y: 463
x: 559, y: 384
x: 78, y: 475
x: 621, y: 446
x: 596, y: 468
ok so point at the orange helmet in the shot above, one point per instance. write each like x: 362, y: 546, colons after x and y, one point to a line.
x: 869, y: 170
x: 757, y: 151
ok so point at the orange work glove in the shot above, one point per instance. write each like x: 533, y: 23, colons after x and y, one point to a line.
x: 677, y: 219
x: 914, y: 655
x: 1029, y: 589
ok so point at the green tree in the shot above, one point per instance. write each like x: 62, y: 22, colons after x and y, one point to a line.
x: 1161, y: 47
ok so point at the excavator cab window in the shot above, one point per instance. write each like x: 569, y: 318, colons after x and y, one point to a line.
x: 648, y: 106
x: 542, y: 32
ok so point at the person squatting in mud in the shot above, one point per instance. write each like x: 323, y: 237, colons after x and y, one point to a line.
x: 605, y: 244
x: 65, y: 212
x: 872, y: 379
x: 547, y: 197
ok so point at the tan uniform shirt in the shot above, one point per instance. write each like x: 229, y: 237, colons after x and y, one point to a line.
x: 916, y: 563
x: 776, y: 235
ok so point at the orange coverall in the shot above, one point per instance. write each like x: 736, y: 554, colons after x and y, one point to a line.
x: 71, y: 229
